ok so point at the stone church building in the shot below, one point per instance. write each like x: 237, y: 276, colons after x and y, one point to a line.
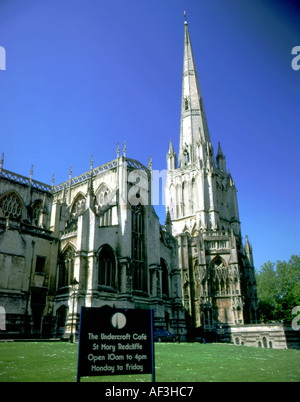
x: 95, y: 240
x: 217, y: 273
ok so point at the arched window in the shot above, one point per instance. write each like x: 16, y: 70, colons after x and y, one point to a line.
x: 172, y: 207
x: 102, y: 195
x: 182, y: 200
x: 11, y: 206
x: 78, y: 206
x: 66, y: 271
x: 164, y: 277
x: 104, y: 205
x: 186, y: 156
x: 265, y: 343
x: 107, y: 267
x: 220, y: 278
x: 138, y: 248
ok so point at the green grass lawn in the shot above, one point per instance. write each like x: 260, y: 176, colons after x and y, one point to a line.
x: 185, y: 362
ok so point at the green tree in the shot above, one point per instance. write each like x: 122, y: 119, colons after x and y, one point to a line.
x: 278, y: 289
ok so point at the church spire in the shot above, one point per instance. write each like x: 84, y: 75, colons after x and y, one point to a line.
x: 221, y: 161
x: 193, y: 125
x: 171, y: 157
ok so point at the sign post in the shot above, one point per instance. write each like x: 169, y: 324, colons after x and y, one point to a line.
x: 115, y: 342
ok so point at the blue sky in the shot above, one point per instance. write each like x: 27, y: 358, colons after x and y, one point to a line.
x: 82, y: 75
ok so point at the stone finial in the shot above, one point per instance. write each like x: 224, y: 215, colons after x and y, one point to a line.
x: 31, y: 172
x: 90, y: 190
x: 168, y: 222
x: 124, y: 148
x: 1, y: 162
x: 118, y: 150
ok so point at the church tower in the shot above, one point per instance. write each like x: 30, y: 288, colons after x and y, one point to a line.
x: 218, y: 282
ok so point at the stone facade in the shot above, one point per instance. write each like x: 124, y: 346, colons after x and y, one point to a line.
x: 28, y: 254
x: 95, y: 240
x: 272, y: 336
x: 217, y: 273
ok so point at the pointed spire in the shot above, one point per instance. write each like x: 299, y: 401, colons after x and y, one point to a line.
x: 231, y: 182
x: 31, y: 173
x: 90, y: 185
x: 171, y: 149
x: 168, y: 222
x: 124, y: 148
x: 150, y: 163
x: 118, y: 150
x: 171, y: 157
x: 220, y: 152
x: 90, y: 189
x: 193, y: 127
x: 248, y: 250
x: 52, y: 183
x: 1, y: 162
x: 233, y: 239
x: 70, y: 182
x: 221, y: 161
x: 248, y: 247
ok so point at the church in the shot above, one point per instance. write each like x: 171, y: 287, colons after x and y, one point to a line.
x: 95, y: 240
x: 217, y: 273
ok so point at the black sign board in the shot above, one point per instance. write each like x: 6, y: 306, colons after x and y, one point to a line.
x: 115, y: 341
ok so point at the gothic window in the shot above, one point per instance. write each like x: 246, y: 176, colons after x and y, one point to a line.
x: 172, y: 208
x: 186, y: 157
x: 220, y: 279
x: 138, y: 251
x: 107, y: 267
x: 11, y: 206
x: 193, y: 196
x: 103, y: 195
x: 103, y: 198
x: 186, y: 296
x: 103, y: 206
x: 164, y: 277
x: 182, y: 200
x: 178, y: 201
x: 66, y: 271
x: 78, y: 206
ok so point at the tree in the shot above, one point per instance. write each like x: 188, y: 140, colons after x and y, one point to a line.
x: 278, y: 289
